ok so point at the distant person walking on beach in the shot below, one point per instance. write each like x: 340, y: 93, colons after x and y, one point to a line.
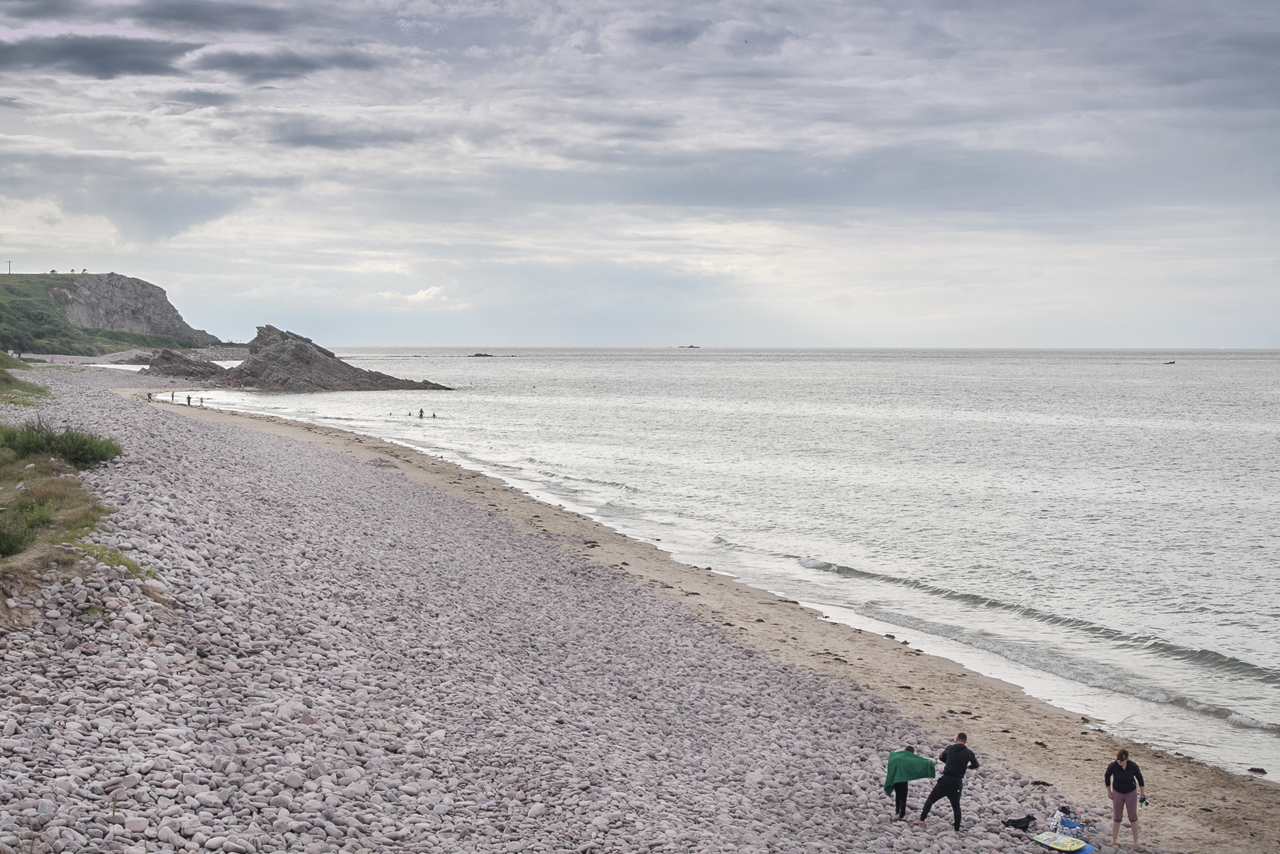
x: 904, y: 766
x: 188, y: 400
x: 1125, y: 785
x: 956, y: 759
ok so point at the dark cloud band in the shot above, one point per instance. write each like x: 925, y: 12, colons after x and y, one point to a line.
x: 263, y: 67
x: 205, y: 16
x: 103, y: 57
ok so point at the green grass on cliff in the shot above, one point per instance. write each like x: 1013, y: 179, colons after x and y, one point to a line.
x: 32, y: 323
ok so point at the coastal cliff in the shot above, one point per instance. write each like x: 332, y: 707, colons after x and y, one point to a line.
x: 126, y: 304
x: 89, y: 315
x: 285, y: 361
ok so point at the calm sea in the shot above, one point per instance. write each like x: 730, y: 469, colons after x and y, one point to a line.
x: 1099, y: 527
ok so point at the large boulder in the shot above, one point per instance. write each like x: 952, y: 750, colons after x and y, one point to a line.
x: 285, y: 361
x: 167, y: 363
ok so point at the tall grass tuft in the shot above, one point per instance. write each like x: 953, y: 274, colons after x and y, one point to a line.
x: 79, y: 449
x: 15, y: 535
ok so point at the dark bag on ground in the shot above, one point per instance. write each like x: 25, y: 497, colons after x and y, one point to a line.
x: 1020, y: 823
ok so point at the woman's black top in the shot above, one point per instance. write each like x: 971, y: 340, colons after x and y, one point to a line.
x: 1122, y: 779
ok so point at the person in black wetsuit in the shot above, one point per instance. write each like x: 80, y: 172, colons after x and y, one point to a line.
x: 956, y: 759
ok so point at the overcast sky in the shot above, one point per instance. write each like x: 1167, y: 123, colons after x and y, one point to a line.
x: 597, y: 172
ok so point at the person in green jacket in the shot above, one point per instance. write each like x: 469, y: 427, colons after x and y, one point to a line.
x: 904, y: 766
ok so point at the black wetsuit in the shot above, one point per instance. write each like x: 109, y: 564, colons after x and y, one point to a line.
x: 900, y: 800
x: 957, y: 759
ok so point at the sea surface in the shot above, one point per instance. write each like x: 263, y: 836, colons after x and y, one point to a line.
x: 1099, y: 527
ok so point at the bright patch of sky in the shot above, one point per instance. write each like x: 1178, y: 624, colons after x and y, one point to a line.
x: 1081, y: 173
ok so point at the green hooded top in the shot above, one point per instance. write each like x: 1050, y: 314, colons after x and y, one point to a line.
x: 904, y: 766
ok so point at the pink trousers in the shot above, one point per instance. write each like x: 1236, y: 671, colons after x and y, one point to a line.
x: 1120, y: 802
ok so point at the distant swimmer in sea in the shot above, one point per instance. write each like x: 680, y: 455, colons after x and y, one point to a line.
x: 420, y: 413
x: 1125, y: 787
x: 904, y: 766
x: 956, y: 759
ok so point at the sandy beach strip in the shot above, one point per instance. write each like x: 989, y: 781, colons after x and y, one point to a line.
x: 362, y: 647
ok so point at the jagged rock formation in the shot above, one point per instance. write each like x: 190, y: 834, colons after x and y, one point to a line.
x: 220, y: 354
x: 285, y: 361
x: 170, y: 364
x: 112, y: 301
x: 132, y: 356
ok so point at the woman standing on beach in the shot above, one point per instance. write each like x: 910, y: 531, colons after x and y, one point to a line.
x: 1124, y: 785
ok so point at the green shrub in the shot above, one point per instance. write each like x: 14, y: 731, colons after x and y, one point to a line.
x: 79, y: 449
x: 37, y: 515
x: 15, y: 535
x: 84, y: 449
x: 30, y: 440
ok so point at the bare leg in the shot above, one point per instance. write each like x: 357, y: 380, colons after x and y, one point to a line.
x: 1115, y: 831
x: 1134, y: 826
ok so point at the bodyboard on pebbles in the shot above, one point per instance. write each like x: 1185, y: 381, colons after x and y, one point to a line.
x: 1059, y: 842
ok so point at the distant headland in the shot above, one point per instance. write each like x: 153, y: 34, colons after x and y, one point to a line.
x: 94, y: 314
x: 89, y: 314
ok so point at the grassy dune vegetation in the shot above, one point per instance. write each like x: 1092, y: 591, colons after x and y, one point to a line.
x: 41, y: 504
x: 31, y: 322
x: 14, y: 390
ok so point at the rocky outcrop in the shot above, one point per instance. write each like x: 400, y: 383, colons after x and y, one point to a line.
x: 219, y: 354
x: 167, y: 363
x: 112, y: 301
x: 132, y: 356
x: 285, y: 361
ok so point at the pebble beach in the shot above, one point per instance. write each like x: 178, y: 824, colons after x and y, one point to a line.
x: 324, y: 654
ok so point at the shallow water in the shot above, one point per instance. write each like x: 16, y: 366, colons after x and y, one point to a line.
x: 1095, y: 526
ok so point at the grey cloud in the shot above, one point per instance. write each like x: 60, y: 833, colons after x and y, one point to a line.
x: 202, y: 98
x: 304, y: 133
x: 909, y: 178
x: 42, y: 10
x: 11, y: 102
x: 207, y: 16
x: 261, y: 67
x: 142, y: 199
x: 674, y: 33
x: 755, y: 42
x: 103, y: 57
x: 986, y: 111
x: 1265, y: 45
